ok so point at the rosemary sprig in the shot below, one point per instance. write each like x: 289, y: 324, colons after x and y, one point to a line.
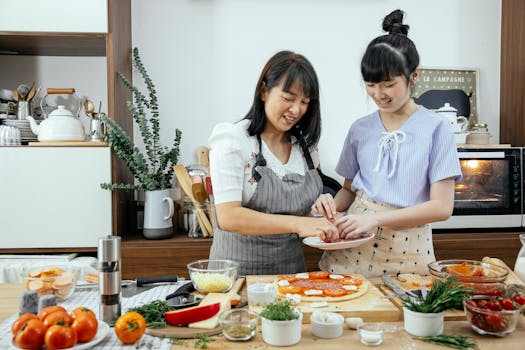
x: 443, y: 295
x: 154, y: 313
x: 461, y: 342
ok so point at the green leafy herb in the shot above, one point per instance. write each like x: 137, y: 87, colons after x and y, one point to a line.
x: 443, y: 295
x: 154, y: 313
x: 279, y: 310
x: 201, y: 341
x: 461, y: 342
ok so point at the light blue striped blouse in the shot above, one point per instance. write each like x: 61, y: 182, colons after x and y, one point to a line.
x: 401, y: 173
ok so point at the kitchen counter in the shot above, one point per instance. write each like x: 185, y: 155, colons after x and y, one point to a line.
x: 10, y: 294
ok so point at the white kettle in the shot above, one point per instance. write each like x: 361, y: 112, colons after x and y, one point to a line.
x: 458, y: 124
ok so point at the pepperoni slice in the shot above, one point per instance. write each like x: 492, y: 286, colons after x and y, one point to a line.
x: 319, y: 275
x: 335, y: 292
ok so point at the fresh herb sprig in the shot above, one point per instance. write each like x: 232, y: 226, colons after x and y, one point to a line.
x: 443, y: 295
x: 201, y: 341
x: 279, y: 310
x: 461, y: 342
x: 154, y: 313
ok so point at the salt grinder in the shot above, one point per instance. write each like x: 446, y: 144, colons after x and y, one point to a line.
x: 109, y: 280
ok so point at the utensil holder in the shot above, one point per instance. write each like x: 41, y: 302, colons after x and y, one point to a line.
x: 23, y: 110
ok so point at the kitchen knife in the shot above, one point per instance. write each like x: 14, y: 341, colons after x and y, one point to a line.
x: 142, y: 284
x: 397, y: 288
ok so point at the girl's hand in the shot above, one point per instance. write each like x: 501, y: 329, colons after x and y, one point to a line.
x: 317, y: 227
x: 352, y: 226
x: 325, y: 205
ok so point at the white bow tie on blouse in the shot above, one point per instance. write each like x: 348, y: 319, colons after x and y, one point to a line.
x: 394, y: 138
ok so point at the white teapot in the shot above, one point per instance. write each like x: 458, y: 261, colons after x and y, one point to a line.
x: 60, y: 125
x: 458, y: 124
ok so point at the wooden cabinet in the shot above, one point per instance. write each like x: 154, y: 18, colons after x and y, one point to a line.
x: 142, y: 258
x: 90, y: 39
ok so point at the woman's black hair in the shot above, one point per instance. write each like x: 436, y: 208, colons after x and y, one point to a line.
x: 391, y: 55
x: 286, y: 68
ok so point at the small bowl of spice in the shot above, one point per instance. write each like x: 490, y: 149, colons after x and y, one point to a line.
x: 238, y: 324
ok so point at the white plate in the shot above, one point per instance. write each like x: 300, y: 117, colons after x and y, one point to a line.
x: 103, y: 329
x: 316, y: 242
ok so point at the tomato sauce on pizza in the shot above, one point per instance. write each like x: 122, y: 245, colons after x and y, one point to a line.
x: 321, y: 286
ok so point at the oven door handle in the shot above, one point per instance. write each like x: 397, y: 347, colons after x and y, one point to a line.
x: 481, y: 155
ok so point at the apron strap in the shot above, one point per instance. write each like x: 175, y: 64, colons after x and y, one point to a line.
x: 306, y: 152
x: 259, y: 160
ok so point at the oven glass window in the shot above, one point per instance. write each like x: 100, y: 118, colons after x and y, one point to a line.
x: 485, y: 184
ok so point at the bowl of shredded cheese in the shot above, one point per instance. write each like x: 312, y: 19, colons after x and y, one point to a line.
x: 213, y: 276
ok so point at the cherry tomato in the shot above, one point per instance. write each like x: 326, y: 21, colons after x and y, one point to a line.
x: 86, y: 326
x: 482, y: 303
x: 47, y: 310
x: 82, y: 310
x: 31, y: 335
x: 21, y: 321
x: 496, y: 322
x: 520, y: 299
x: 496, y: 292
x: 471, y: 303
x: 60, y: 337
x: 130, y: 327
x: 493, y: 305
x: 57, y: 317
x: 507, y: 304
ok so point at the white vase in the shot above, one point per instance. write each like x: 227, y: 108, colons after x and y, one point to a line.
x: 423, y: 324
x: 282, y: 333
x: 158, y: 211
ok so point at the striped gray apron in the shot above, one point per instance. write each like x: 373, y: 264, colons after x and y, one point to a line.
x: 294, y: 194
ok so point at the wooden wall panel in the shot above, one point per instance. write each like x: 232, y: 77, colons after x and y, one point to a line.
x: 512, y: 83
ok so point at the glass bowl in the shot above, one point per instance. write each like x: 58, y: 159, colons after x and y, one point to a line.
x: 213, y: 276
x: 239, y: 324
x: 486, y: 321
x: 470, y: 271
x: 46, y: 280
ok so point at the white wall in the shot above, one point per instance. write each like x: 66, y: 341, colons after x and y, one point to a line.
x: 205, y: 55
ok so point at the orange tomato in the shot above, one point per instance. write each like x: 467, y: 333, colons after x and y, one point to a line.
x: 86, y: 326
x: 82, y: 310
x: 21, y: 321
x: 57, y: 317
x: 130, y: 327
x: 60, y: 337
x: 31, y: 335
x: 335, y: 292
x: 47, y: 310
x: 318, y: 275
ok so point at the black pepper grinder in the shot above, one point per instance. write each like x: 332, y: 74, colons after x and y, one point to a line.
x: 109, y: 281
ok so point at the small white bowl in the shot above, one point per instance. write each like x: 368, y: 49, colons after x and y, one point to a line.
x: 327, y: 324
x: 261, y: 293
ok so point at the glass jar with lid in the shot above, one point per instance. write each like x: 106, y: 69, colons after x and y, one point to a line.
x: 191, y: 222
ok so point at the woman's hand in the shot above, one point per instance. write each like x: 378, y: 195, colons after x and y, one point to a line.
x: 351, y: 226
x: 325, y: 205
x: 317, y: 227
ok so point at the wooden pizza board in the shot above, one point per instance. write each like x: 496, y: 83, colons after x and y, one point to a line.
x: 371, y: 307
x: 450, y: 315
x: 186, y: 332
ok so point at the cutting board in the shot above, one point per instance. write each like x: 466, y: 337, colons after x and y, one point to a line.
x: 371, y: 307
x: 186, y: 332
x: 68, y: 144
x: 451, y: 315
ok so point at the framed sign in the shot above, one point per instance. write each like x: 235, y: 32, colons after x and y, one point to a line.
x: 456, y: 86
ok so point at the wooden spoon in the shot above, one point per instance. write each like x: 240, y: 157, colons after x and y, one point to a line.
x: 89, y: 108
x: 37, y: 91
x: 199, y: 192
x: 16, y: 97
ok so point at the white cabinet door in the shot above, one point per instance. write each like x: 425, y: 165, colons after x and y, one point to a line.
x: 77, y: 16
x: 50, y: 197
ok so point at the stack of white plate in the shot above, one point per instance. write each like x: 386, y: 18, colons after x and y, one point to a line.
x: 25, y: 130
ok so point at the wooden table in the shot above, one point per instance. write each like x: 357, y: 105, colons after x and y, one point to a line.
x: 10, y: 294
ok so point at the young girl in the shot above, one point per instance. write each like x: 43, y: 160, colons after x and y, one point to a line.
x: 264, y: 173
x: 400, y: 164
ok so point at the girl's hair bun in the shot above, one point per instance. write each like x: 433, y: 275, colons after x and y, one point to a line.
x: 393, y: 23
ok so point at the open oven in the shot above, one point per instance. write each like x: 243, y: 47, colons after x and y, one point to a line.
x: 490, y: 194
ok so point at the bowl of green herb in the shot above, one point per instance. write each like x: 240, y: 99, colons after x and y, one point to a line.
x: 281, y: 324
x: 424, y: 315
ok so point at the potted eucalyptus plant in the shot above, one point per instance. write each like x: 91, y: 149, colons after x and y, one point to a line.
x: 425, y: 315
x: 151, y: 167
x: 281, y: 324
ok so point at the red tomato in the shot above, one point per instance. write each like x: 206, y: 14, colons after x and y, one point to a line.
x: 60, y: 337
x: 471, y: 303
x: 21, y: 321
x: 482, y: 303
x: 47, y: 310
x: 86, y: 326
x: 496, y: 292
x: 493, y: 305
x: 31, y: 335
x: 82, y: 310
x: 507, y: 304
x: 496, y: 322
x: 520, y: 299
x: 57, y: 317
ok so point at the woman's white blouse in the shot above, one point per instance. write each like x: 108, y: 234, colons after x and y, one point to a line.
x: 232, y: 156
x: 397, y: 168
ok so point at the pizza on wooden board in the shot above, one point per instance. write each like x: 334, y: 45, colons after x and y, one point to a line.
x: 321, y: 286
